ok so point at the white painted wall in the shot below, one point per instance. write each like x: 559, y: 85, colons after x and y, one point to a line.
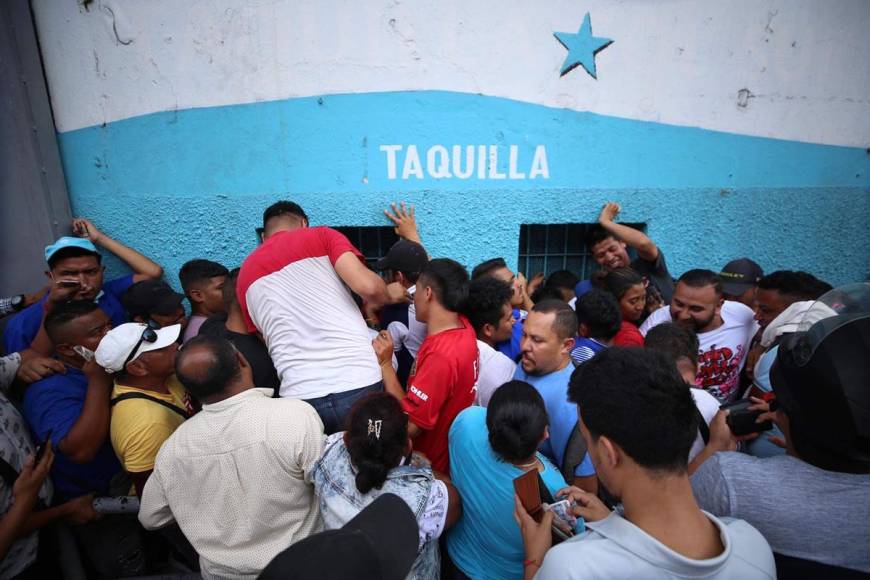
x: 684, y: 62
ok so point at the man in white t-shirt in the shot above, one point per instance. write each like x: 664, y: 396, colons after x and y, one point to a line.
x: 292, y: 290
x: 638, y: 421
x: 488, y: 308
x: 724, y: 328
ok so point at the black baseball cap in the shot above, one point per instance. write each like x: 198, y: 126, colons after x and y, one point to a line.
x: 404, y: 256
x: 379, y: 543
x: 151, y: 297
x: 740, y: 275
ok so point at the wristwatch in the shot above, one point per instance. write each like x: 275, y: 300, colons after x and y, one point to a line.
x: 18, y: 302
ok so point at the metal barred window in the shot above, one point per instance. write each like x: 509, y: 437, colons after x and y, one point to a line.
x: 372, y: 241
x: 550, y: 247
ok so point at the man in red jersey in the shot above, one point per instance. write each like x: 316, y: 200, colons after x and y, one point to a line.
x: 443, y: 380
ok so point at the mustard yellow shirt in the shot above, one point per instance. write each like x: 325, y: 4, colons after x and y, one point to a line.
x: 139, y: 426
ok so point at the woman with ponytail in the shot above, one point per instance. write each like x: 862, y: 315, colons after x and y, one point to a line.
x: 630, y: 290
x: 375, y: 456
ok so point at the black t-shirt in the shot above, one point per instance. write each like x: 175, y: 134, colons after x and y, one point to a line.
x: 253, y: 349
x: 657, y: 273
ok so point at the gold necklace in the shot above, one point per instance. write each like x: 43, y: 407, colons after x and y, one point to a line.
x: 533, y: 463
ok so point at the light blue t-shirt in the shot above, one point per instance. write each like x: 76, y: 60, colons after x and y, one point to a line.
x: 562, y: 413
x: 486, y: 541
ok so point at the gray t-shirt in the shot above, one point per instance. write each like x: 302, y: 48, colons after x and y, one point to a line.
x: 657, y: 273
x: 802, y: 511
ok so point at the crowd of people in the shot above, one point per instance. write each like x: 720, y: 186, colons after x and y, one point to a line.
x: 306, y: 416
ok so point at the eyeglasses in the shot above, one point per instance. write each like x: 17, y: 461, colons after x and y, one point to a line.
x: 148, y: 335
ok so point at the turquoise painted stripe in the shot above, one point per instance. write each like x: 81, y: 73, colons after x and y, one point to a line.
x: 331, y: 144
x: 194, y: 183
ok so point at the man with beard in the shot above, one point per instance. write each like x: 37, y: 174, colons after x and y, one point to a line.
x: 548, y: 338
x: 724, y: 330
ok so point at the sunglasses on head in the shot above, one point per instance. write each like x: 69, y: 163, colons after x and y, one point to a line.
x: 149, y: 334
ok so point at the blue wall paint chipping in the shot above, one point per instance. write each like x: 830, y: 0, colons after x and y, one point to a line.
x: 196, y: 181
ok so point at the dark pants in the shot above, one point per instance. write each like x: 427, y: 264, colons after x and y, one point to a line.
x: 334, y: 408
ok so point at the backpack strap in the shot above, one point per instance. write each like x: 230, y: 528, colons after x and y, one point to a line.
x: 575, y: 451
x: 166, y: 404
x: 702, y: 426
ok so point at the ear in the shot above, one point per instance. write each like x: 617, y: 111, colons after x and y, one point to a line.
x: 195, y: 295
x: 49, y: 275
x: 568, y: 345
x: 546, y: 434
x: 243, y: 362
x: 137, y: 368
x: 66, y: 350
x: 583, y: 330
x: 610, y: 454
x: 488, y: 330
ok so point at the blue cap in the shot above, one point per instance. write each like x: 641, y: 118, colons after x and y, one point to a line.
x: 69, y: 242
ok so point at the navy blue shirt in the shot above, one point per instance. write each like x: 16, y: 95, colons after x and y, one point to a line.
x: 23, y: 327
x: 55, y: 403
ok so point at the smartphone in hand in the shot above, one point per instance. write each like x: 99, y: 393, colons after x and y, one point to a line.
x: 40, y: 450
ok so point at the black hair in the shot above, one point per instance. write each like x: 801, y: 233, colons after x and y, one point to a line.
x: 487, y: 268
x: 617, y: 281
x: 283, y: 207
x: 636, y: 398
x: 565, y: 322
x: 794, y: 285
x: 376, y: 438
x: 597, y: 234
x: 562, y: 279
x: 486, y: 300
x: 448, y: 280
x: 228, y: 292
x: 675, y: 341
x: 221, y: 372
x: 699, y: 278
x: 61, y: 315
x: 72, y: 252
x: 516, y: 418
x: 197, y: 271
x: 542, y: 293
x: 600, y: 312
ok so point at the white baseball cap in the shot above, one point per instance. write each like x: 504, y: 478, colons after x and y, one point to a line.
x: 117, y: 347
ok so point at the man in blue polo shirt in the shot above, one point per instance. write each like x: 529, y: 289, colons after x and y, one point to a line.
x: 72, y: 408
x: 548, y: 338
x: 75, y: 272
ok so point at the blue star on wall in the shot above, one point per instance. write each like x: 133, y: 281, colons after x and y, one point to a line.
x: 582, y: 47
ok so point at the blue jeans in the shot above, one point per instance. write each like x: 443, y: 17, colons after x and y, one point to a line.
x: 334, y: 408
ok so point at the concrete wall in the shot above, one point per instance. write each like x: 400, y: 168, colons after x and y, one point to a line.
x: 731, y: 128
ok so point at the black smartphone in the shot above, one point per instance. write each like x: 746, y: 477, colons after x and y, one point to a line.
x: 741, y: 420
x: 40, y: 450
x: 68, y: 283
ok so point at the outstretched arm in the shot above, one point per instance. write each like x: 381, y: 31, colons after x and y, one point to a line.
x: 143, y: 267
x: 638, y: 240
x: 366, y: 283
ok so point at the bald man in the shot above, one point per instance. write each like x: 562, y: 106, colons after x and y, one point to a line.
x: 235, y: 475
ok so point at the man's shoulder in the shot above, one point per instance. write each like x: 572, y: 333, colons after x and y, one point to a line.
x: 56, y: 385
x: 658, y: 316
x: 591, y: 555
x: 751, y: 555
x: 22, y: 328
x: 737, y: 314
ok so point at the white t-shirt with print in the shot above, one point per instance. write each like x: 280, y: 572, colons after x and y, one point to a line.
x: 722, y: 351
